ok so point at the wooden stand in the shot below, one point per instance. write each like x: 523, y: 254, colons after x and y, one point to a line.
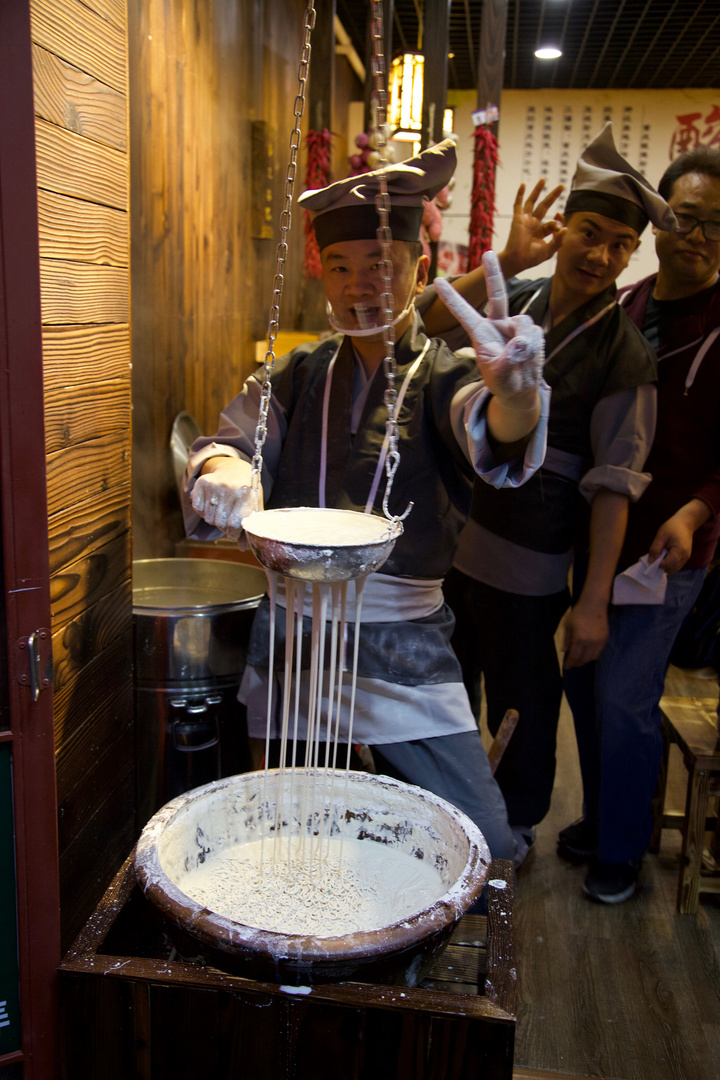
x: 128, y: 1007
x: 691, y: 723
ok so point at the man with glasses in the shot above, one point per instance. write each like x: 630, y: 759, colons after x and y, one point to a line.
x: 615, y: 701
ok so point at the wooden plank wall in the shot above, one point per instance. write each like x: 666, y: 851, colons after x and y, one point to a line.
x: 201, y: 76
x: 194, y: 84
x: 80, y: 77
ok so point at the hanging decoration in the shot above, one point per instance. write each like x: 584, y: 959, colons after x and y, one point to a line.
x: 432, y: 219
x: 482, y: 200
x: 368, y: 156
x: 317, y: 175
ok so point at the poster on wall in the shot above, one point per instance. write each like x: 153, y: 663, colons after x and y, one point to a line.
x: 554, y: 135
x: 543, y: 132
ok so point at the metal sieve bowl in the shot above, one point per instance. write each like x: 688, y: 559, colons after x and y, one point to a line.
x: 344, y: 545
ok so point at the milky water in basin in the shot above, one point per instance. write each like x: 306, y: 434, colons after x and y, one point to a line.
x: 381, y: 816
x: 333, y: 887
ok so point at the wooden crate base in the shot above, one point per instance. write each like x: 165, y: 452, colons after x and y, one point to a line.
x: 130, y: 1007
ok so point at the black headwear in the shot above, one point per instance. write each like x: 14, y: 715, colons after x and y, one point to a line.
x: 605, y: 184
x: 346, y: 209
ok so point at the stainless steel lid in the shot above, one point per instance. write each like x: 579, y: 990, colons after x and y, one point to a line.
x: 176, y: 585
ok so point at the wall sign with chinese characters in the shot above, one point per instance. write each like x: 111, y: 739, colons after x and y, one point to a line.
x: 693, y: 130
x: 542, y: 133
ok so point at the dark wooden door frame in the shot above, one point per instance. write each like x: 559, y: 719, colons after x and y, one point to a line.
x: 25, y: 550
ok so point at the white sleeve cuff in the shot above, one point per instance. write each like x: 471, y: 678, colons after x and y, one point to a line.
x: 510, y: 473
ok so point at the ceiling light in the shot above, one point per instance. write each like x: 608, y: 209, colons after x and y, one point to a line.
x: 548, y: 52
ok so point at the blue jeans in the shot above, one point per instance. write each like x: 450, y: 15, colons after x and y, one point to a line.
x: 456, y: 768
x: 615, y: 706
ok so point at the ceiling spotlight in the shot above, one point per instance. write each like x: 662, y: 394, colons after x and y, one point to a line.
x: 548, y: 52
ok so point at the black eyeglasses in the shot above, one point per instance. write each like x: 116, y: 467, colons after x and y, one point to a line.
x: 687, y: 224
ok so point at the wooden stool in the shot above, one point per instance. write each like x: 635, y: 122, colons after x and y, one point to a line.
x: 499, y: 743
x: 691, y: 723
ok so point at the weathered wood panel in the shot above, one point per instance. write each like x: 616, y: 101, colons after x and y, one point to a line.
x: 109, y: 737
x: 96, y: 851
x: 82, y: 584
x: 86, y: 411
x: 113, y: 757
x: 112, y: 10
x: 72, y: 99
x: 73, y: 354
x: 79, y: 62
x: 95, y: 778
x: 72, y: 165
x: 80, y: 530
x: 83, y: 293
x: 76, y: 33
x: 79, y: 230
x: 92, y: 700
x: 80, y: 472
x: 79, y: 641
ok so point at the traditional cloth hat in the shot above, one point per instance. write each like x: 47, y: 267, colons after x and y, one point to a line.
x: 606, y: 184
x: 346, y: 209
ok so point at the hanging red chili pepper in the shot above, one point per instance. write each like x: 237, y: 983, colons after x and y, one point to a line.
x: 317, y: 175
x: 482, y: 201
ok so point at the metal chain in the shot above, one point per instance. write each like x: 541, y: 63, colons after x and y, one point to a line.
x: 282, y: 248
x: 384, y: 235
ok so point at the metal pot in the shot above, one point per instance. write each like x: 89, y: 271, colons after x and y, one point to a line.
x: 191, y: 620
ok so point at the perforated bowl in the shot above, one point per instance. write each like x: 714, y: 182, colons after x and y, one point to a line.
x: 315, y: 544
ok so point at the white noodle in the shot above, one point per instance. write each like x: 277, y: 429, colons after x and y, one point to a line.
x: 314, y: 880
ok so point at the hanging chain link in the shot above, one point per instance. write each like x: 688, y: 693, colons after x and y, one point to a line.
x: 382, y: 203
x: 282, y: 248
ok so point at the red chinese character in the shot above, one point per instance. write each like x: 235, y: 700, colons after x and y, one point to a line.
x: 711, y: 134
x: 686, y: 136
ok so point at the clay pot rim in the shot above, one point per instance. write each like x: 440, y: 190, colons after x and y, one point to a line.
x: 226, y: 935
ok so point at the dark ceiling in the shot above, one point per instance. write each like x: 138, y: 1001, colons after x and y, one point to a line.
x: 606, y: 44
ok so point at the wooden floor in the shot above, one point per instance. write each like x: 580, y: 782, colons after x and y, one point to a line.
x: 628, y: 992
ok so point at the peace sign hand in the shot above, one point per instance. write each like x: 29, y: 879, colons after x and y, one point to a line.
x: 510, y: 351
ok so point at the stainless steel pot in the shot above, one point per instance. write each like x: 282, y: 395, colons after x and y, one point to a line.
x: 192, y: 620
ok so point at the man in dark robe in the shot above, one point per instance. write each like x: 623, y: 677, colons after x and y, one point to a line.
x: 325, y: 447
x: 509, y: 585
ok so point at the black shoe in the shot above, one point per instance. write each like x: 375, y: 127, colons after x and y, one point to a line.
x: 577, y: 842
x: 612, y: 883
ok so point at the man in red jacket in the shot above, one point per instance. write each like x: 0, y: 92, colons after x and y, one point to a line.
x: 615, y: 701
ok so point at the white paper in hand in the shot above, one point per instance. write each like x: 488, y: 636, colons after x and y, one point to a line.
x: 642, y: 583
